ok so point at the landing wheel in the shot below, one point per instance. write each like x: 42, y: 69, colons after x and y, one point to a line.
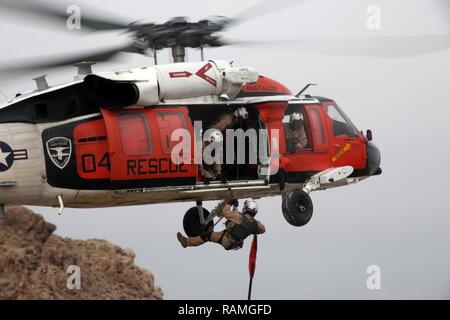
x: 297, y: 207
x: 192, y: 225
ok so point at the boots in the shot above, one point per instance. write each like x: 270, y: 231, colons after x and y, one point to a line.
x: 182, y: 239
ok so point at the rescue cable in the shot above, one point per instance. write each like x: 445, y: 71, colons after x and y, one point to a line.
x: 252, y: 264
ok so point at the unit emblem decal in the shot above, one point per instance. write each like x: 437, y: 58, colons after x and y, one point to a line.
x: 59, y: 150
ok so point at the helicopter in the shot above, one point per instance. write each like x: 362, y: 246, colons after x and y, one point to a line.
x: 106, y: 139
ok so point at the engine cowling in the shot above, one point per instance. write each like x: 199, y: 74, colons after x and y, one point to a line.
x: 186, y: 80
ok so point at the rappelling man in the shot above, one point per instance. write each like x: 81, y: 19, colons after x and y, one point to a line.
x: 238, y: 227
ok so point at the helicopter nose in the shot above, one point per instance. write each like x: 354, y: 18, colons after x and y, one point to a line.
x: 374, y: 159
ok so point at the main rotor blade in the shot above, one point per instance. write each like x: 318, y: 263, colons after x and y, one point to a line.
x: 99, y: 56
x: 380, y: 46
x: 62, y: 14
x: 263, y: 8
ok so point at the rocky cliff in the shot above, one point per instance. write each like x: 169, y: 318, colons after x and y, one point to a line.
x: 34, y: 264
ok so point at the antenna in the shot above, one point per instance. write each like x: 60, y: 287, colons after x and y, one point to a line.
x: 304, y: 89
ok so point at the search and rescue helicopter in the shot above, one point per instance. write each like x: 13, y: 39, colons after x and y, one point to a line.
x: 105, y: 139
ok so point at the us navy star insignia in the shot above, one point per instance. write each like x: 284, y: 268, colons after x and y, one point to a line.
x: 8, y: 156
x: 3, y: 156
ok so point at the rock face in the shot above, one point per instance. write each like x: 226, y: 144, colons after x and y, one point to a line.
x: 34, y: 264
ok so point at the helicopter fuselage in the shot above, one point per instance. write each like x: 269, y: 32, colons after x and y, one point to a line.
x: 59, y: 147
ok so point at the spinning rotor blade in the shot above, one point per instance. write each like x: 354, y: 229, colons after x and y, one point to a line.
x: 263, y: 8
x: 104, y: 55
x: 383, y: 46
x: 61, y: 14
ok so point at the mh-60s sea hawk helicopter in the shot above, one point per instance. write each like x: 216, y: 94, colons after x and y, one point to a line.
x: 105, y: 139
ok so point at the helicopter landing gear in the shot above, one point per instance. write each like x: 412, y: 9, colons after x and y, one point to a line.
x: 297, y: 207
x: 196, y: 222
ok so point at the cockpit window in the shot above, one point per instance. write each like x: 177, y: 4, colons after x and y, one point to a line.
x: 341, y: 123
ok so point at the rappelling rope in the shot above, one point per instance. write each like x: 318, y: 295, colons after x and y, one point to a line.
x: 252, y: 264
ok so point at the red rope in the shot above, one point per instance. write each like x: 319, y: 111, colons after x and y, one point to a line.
x: 252, y: 263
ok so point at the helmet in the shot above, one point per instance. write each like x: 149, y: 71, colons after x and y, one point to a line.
x: 213, y: 135
x: 241, y: 112
x: 296, y: 116
x: 296, y: 120
x: 250, y: 206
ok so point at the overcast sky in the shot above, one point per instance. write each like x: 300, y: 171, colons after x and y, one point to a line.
x: 399, y: 221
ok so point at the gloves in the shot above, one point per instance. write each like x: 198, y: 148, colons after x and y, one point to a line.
x: 219, y: 208
x: 234, y: 203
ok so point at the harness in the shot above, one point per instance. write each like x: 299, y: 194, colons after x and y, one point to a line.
x: 239, y: 232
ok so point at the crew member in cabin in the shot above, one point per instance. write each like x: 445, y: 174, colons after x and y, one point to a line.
x: 296, y: 138
x: 238, y: 227
x: 223, y: 122
x: 210, y: 171
x: 230, y: 120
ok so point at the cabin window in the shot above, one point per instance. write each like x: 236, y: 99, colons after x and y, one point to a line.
x: 135, y: 133
x: 167, y: 123
x: 341, y: 123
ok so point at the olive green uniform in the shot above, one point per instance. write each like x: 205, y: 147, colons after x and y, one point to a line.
x: 295, y: 139
x: 238, y: 227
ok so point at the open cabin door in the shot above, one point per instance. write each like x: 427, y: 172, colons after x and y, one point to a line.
x: 140, y: 148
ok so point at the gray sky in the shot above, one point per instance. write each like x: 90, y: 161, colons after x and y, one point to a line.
x: 399, y: 221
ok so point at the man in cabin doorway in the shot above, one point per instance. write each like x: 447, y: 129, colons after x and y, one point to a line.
x: 210, y: 171
x: 221, y: 124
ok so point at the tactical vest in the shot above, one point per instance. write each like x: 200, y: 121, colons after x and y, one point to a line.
x: 246, y: 228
